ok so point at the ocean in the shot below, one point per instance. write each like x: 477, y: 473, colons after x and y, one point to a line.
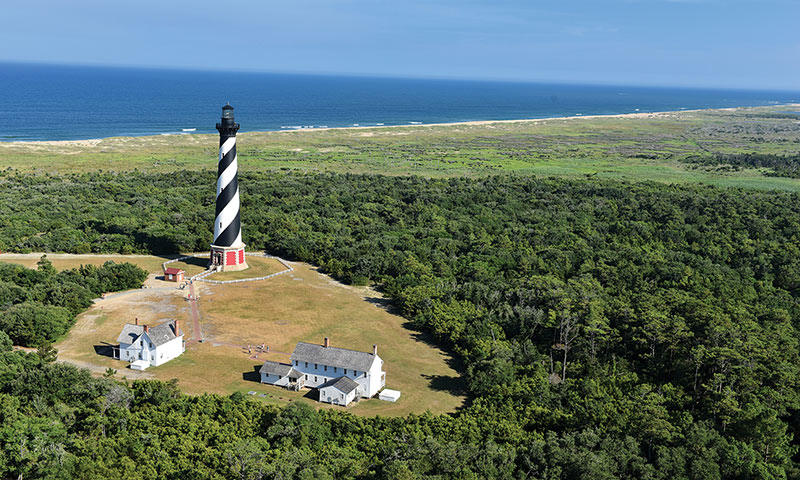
x: 48, y: 102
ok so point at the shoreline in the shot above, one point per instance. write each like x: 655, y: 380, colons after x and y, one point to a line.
x: 92, y: 142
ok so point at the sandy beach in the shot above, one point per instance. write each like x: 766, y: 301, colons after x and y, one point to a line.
x: 94, y: 142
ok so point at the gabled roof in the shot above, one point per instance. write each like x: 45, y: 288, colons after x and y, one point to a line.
x: 173, y: 271
x: 343, y: 384
x: 159, y: 335
x: 332, y: 356
x: 130, y: 332
x: 275, y: 368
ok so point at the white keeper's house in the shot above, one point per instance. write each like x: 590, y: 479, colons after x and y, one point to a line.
x: 145, y: 346
x: 340, y: 375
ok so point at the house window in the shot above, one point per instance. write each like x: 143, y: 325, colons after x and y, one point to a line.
x: 306, y: 377
x: 280, y: 376
x: 334, y: 369
x: 296, y: 363
x: 345, y: 371
x: 151, y: 344
x: 306, y: 364
x: 325, y: 367
x: 315, y: 379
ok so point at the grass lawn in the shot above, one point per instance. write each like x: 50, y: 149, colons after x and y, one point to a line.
x: 192, y: 265
x: 257, y: 267
x: 65, y: 261
x: 303, y: 305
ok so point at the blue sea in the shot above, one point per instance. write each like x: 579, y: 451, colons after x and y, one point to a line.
x: 48, y: 102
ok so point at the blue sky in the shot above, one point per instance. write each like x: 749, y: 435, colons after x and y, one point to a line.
x: 720, y: 43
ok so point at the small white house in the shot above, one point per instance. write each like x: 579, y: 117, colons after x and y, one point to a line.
x: 323, y: 367
x: 339, y: 391
x: 144, y: 346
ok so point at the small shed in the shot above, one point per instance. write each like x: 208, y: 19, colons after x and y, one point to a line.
x: 174, y: 274
x: 389, y: 395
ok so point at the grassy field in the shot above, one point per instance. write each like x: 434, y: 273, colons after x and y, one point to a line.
x: 64, y: 261
x: 257, y: 267
x: 303, y: 305
x: 635, y: 147
x: 192, y: 266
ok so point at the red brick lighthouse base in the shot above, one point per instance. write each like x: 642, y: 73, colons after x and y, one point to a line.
x: 228, y: 259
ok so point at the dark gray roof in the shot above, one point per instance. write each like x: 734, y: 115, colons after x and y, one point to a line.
x: 159, y: 335
x: 130, y: 332
x: 275, y: 368
x: 343, y: 384
x: 332, y: 356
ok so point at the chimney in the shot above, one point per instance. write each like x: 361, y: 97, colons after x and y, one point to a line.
x: 146, y: 329
x: 137, y: 320
x: 326, y: 343
x: 176, y: 328
x: 375, y: 349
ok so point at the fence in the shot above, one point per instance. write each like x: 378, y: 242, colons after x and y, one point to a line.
x: 200, y: 277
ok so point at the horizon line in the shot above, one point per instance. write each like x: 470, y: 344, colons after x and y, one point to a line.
x: 456, y: 78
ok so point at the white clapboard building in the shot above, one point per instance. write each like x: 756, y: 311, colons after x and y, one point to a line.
x: 145, y: 346
x: 340, y: 375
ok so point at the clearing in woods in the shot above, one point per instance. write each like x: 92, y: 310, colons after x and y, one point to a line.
x: 303, y: 305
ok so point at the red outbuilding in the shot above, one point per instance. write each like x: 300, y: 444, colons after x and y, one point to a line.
x: 173, y: 274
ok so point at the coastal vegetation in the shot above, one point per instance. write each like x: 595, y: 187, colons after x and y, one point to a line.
x: 607, y: 329
x: 776, y: 165
x: 639, y: 147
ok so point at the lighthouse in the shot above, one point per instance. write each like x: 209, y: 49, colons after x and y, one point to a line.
x: 227, y: 249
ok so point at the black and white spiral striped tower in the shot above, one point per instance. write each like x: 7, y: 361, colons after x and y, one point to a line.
x: 227, y: 250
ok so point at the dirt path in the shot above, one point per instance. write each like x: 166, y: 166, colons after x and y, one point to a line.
x: 129, y: 373
x: 198, y: 333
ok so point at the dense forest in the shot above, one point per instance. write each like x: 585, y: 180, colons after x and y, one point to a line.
x: 39, y: 306
x: 608, y: 330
